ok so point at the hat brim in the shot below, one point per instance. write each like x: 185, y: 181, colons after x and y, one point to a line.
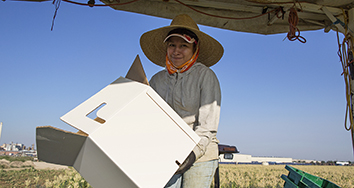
x: 154, y: 48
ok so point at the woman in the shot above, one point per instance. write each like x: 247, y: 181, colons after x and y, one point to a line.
x: 191, y: 89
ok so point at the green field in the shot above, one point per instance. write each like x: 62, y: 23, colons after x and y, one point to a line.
x: 230, y: 176
x: 269, y: 176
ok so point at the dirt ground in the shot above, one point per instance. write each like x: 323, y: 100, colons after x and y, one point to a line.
x: 51, y: 166
x: 40, y: 166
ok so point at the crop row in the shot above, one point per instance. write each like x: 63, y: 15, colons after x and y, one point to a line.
x: 231, y: 176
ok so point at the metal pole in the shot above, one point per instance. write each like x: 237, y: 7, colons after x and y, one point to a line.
x: 351, y: 67
x: 351, y: 72
x: 217, y: 178
x: 0, y: 129
x: 347, y: 28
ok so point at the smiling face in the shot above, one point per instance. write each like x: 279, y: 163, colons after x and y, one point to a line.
x: 179, y: 51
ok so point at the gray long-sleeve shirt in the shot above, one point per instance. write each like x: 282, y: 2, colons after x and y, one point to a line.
x: 195, y: 95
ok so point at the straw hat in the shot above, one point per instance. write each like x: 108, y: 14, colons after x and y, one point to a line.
x: 154, y: 48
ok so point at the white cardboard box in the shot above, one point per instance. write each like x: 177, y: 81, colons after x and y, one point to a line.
x: 140, y: 144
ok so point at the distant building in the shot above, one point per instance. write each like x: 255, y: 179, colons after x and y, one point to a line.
x: 341, y: 163
x: 17, y: 149
x: 14, y: 147
x: 249, y: 159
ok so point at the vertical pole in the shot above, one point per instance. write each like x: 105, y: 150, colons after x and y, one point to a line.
x: 0, y: 129
x: 216, y: 175
x: 346, y: 26
x: 351, y: 73
x: 351, y: 67
x: 217, y: 178
x: 350, y: 29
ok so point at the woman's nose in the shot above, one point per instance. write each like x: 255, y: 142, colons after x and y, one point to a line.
x: 177, y: 50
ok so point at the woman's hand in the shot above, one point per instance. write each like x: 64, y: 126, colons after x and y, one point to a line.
x: 186, y: 164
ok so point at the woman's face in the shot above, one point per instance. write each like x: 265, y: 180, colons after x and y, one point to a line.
x: 179, y: 51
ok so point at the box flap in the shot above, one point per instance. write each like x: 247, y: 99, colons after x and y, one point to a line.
x: 136, y: 72
x: 58, y: 146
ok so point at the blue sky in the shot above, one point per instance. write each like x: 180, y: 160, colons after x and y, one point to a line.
x: 279, y: 98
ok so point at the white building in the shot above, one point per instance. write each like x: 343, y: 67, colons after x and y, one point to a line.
x: 342, y: 163
x: 244, y: 158
x: 13, y: 147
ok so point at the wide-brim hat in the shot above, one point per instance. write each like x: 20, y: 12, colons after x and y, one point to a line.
x: 152, y: 42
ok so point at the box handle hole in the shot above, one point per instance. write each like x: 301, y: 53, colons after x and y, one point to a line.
x: 93, y: 114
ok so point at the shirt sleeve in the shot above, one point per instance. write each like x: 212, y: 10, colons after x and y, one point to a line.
x: 209, y: 112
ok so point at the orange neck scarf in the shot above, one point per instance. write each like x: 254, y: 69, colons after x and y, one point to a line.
x: 171, y: 68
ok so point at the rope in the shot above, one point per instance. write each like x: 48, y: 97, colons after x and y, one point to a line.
x: 346, y: 56
x: 90, y: 3
x: 294, y: 32
x: 57, y: 5
x: 344, y: 52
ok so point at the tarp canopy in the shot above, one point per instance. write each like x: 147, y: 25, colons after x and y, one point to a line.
x: 252, y: 16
